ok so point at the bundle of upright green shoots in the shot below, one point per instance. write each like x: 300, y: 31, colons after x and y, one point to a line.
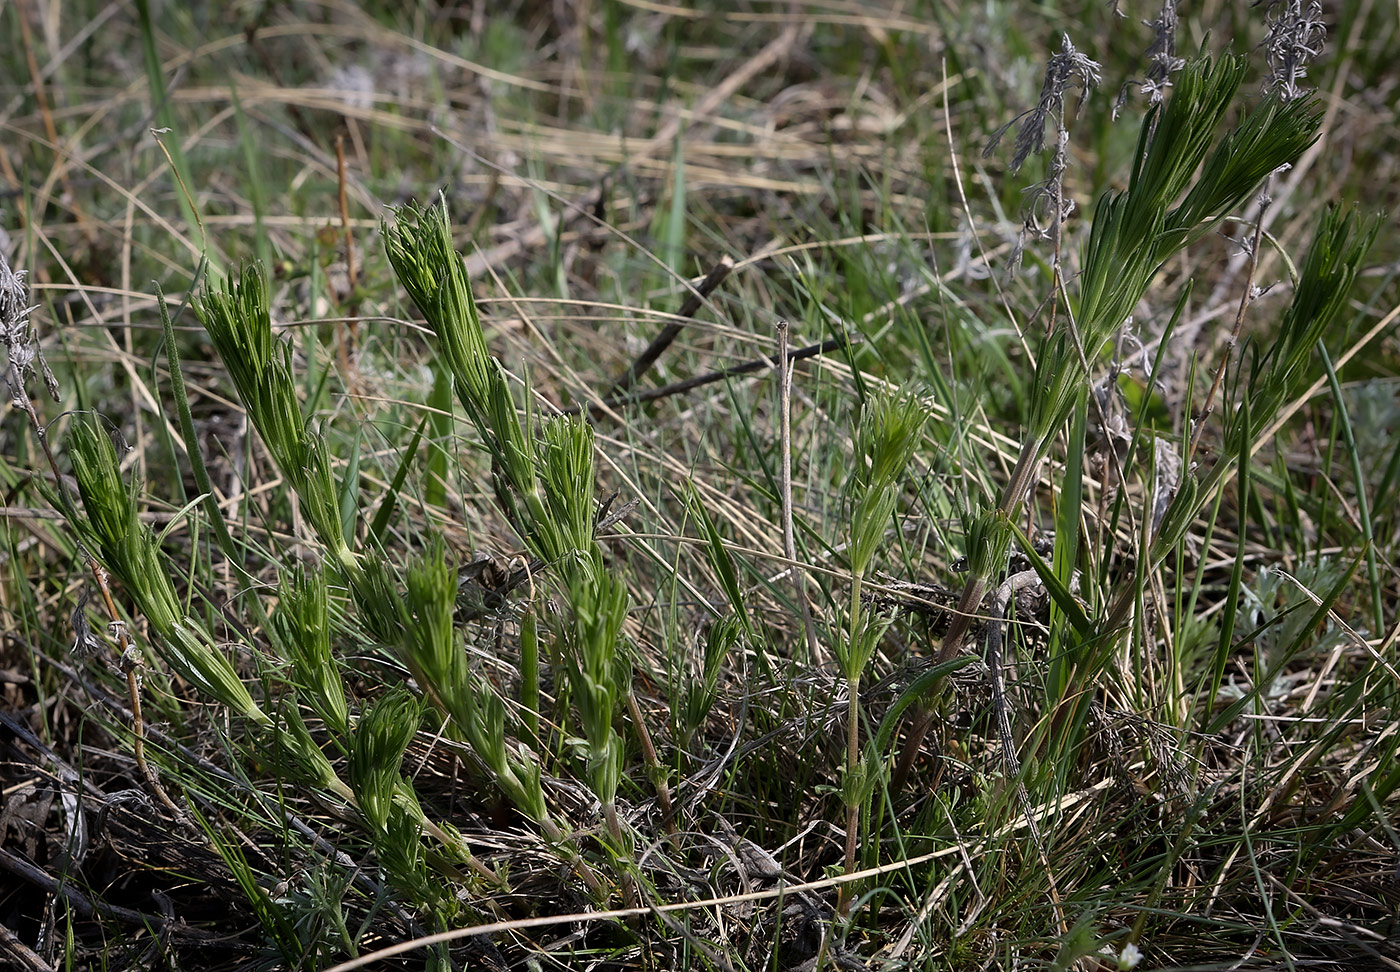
x: 1184, y: 183
x: 544, y: 486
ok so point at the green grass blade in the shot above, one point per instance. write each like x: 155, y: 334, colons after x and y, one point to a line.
x: 187, y: 432
x: 385, y: 513
x: 1363, y: 506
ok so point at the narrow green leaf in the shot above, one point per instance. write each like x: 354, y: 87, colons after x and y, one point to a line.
x: 440, y: 421
x: 918, y: 690
x: 385, y: 513
x: 1059, y: 593
x: 1363, y: 505
x: 720, y: 561
x: 178, y: 516
x: 1232, y: 591
x: 673, y: 239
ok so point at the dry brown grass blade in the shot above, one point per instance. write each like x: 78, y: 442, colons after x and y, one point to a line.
x: 478, y: 263
x: 668, y: 334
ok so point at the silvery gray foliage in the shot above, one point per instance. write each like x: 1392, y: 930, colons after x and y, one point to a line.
x: 1062, y: 71
x: 1048, y: 195
x: 1162, y: 53
x: 17, y: 334
x: 1161, y: 56
x: 1296, y: 35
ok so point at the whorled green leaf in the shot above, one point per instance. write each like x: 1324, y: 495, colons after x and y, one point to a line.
x: 420, y: 249
x: 128, y: 549
x: 238, y: 320
x: 302, y: 625
x: 303, y: 757
x: 376, y: 752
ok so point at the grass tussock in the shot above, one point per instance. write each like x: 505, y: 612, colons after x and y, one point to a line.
x: 616, y: 486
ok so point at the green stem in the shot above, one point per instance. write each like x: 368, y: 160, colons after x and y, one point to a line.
x: 853, y: 674
x: 530, y: 675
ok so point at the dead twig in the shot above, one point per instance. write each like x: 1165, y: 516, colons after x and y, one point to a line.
x: 86, y: 907
x: 709, y: 378
x: 693, y: 302
x: 799, y: 576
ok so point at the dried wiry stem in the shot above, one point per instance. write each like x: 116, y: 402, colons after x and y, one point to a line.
x: 345, y: 211
x: 710, y: 377
x: 799, y: 576
x: 1247, y: 295
x: 668, y: 334
x: 655, y: 769
x: 347, y: 342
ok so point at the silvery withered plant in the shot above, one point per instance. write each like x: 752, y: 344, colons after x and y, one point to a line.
x: 22, y: 354
x: 1064, y: 70
x: 1184, y: 181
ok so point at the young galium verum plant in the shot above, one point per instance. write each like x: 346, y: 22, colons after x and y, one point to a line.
x: 128, y: 547
x: 303, y: 629
x: 435, y: 651
x: 393, y: 816
x: 545, y: 488
x: 419, y: 246
x: 889, y: 433
x: 239, y: 323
